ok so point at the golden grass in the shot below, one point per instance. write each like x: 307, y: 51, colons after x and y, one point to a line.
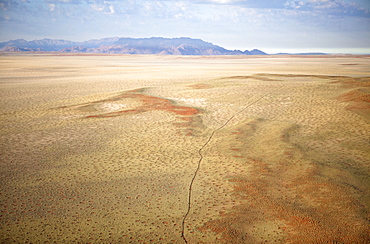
x: 102, y: 149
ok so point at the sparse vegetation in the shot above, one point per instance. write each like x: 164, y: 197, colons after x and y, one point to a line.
x: 101, y: 149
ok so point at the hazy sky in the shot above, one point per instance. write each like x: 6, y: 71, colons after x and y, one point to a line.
x: 269, y: 25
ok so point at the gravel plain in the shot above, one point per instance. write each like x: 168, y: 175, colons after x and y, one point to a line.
x: 184, y: 149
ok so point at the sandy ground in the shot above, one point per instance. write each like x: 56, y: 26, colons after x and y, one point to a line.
x: 166, y: 149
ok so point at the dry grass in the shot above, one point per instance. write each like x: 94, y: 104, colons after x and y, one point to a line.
x: 101, y: 149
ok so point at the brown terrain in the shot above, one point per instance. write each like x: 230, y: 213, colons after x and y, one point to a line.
x: 184, y: 149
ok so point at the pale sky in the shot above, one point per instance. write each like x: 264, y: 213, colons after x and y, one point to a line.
x: 269, y: 25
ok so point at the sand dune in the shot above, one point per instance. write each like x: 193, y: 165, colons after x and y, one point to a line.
x: 107, y: 149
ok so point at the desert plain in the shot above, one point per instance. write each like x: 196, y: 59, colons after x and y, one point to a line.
x: 184, y: 149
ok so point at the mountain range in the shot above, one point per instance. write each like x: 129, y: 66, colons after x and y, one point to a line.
x: 116, y: 45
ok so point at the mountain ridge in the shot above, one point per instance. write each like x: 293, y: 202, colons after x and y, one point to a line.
x: 125, y: 45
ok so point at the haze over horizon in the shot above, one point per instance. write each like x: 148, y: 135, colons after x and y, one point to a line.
x: 331, y: 26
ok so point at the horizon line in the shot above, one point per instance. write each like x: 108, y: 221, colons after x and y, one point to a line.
x: 267, y: 50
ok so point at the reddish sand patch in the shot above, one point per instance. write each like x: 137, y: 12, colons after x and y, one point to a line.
x: 356, y: 96
x: 148, y: 103
x: 359, y: 101
x: 189, y: 115
x: 305, y: 210
x: 200, y: 86
x: 287, y: 201
x: 351, y: 81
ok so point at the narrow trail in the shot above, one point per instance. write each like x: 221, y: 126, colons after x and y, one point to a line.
x: 201, y: 158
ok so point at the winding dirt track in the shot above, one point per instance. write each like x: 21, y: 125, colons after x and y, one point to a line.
x: 161, y: 149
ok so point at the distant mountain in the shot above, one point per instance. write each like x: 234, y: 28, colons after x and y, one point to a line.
x: 46, y: 45
x: 116, y: 45
x: 257, y: 52
x: 301, y: 54
x: 17, y: 49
